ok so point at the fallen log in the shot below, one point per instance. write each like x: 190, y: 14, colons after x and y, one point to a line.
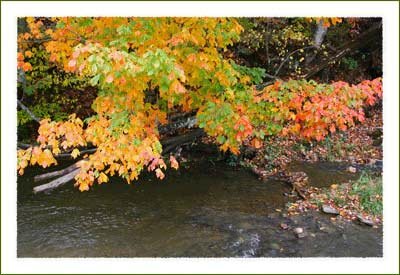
x: 57, y: 173
x: 171, y: 143
x: 57, y: 182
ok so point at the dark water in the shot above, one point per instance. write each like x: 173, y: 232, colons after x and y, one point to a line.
x: 206, y: 210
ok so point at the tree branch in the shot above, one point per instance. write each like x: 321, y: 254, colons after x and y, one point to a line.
x: 57, y: 173
x: 26, y: 109
x: 288, y: 56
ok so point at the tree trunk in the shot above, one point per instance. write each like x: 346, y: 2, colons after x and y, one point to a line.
x: 366, y: 37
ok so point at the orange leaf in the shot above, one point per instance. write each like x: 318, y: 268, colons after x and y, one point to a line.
x: 159, y: 174
x: 174, y: 163
x: 256, y: 143
x: 72, y: 63
x: 83, y: 187
x: 109, y: 79
x: 27, y: 67
x: 28, y: 54
x: 177, y: 87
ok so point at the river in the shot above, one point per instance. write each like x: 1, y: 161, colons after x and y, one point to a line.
x: 206, y: 209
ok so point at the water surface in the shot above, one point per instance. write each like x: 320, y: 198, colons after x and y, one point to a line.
x: 205, y: 210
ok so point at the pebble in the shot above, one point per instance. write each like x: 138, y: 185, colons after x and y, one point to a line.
x: 329, y: 209
x: 284, y: 226
x: 298, y: 230
x: 352, y: 169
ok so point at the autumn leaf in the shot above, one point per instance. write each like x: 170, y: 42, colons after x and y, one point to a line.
x: 83, y: 187
x: 102, y: 178
x: 72, y: 63
x: 75, y: 153
x: 109, y: 79
x: 159, y: 174
x: 256, y: 143
x: 193, y: 75
x: 27, y: 67
x: 28, y: 54
x: 174, y: 162
x: 177, y: 87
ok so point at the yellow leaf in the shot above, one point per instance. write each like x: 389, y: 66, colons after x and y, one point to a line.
x: 75, y: 153
x: 177, y: 87
x: 102, y: 178
x: 83, y: 187
x: 28, y: 54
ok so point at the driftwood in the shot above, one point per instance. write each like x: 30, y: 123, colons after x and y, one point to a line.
x: 57, y: 182
x: 57, y: 173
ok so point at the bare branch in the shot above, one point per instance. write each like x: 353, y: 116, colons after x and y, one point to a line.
x: 26, y: 109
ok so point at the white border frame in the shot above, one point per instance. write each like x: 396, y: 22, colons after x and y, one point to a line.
x: 388, y: 264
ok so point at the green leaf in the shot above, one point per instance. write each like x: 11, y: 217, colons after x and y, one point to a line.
x: 95, y: 80
x: 221, y: 139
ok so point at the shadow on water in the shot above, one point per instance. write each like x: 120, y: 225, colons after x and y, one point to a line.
x: 206, y: 210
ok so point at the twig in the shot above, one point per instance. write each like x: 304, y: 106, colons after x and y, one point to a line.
x: 68, y: 155
x: 288, y: 56
x: 62, y: 155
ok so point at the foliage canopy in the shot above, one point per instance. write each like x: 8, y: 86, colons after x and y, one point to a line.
x: 145, y: 68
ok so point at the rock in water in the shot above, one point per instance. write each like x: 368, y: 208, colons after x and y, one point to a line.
x: 284, y: 226
x: 301, y: 235
x: 329, y: 209
x: 352, y: 169
x: 298, y: 230
x: 365, y: 220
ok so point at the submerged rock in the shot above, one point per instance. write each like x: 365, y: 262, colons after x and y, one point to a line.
x: 274, y: 246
